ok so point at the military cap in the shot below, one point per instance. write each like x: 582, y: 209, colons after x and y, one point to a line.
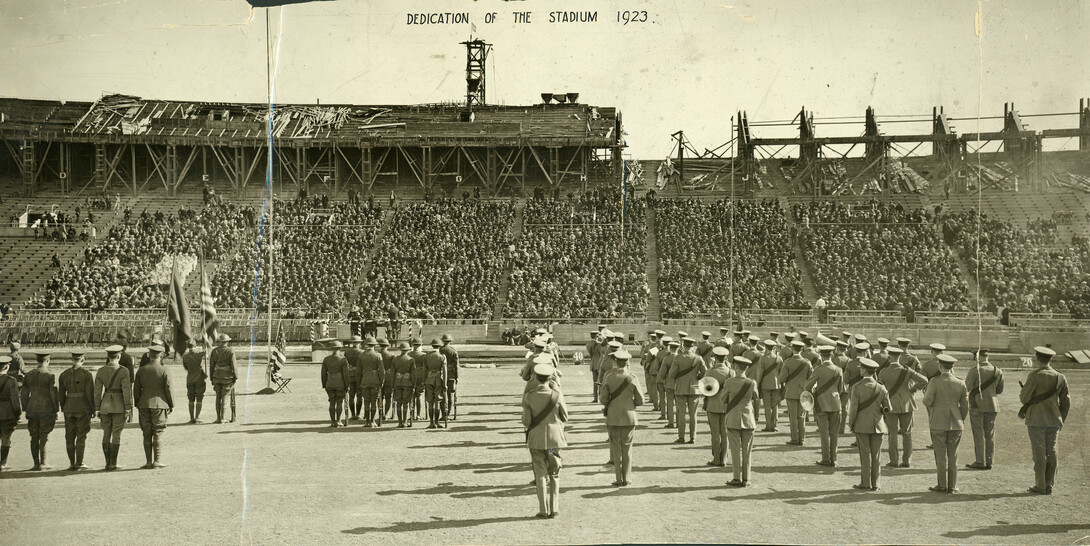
x: 797, y: 344
x: 594, y: 333
x: 15, y: 345
x: 1044, y: 352
x: 616, y: 344
x: 724, y: 329
x: 543, y: 358
x: 825, y: 348
x: 860, y: 337
x: 947, y: 360
x: 601, y: 327
x: 667, y: 339
x: 621, y: 355
x: 660, y: 333
x: 222, y: 338
x: 416, y: 341
x: 114, y: 349
x: 904, y: 340
x: 773, y: 335
x: 746, y: 332
x: 688, y: 339
x: 770, y: 343
x: 369, y: 340
x: 156, y: 348
x: 540, y: 343
x: 754, y: 338
x: 446, y: 337
x: 841, y: 343
x: 336, y: 345
x: 607, y: 334
x: 674, y: 343
x: 5, y: 359
x: 862, y: 346
x: 617, y: 335
x: 737, y: 332
x: 896, y: 350
x: 435, y: 343
x: 937, y: 347
x: 720, y: 351
x: 544, y: 369
x: 541, y: 331
x: 76, y: 355
x: 742, y: 361
x: 883, y: 341
x: 383, y: 342
x: 682, y: 335
x: 868, y: 363
x: 706, y: 333
x: 41, y: 354
x: 981, y: 352
x: 846, y: 333
x: 790, y: 335
x: 403, y: 345
x: 356, y: 339
x: 803, y: 334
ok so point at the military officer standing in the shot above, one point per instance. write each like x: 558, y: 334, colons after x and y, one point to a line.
x: 387, y: 386
x: 768, y: 384
x: 544, y: 414
x: 932, y: 368
x: 900, y: 383
x: 621, y: 394
x: 113, y: 403
x: 127, y: 360
x: 704, y: 347
x: 647, y: 357
x: 724, y: 339
x: 1045, y: 403
x: 419, y: 374
x: 334, y: 375
x: 76, y: 390
x: 715, y: 407
x: 154, y: 401
x: 39, y: 397
x: 10, y: 409
x: 910, y: 361
x: 667, y: 380
x: 355, y: 396
x: 852, y: 375
x: 221, y: 366
x: 869, y: 402
x: 403, y: 382
x: 17, y: 369
x: 594, y: 356
x: 827, y: 386
x: 948, y: 401
x: 372, y: 374
x: 435, y: 384
x: 737, y: 394
x: 656, y: 368
x: 881, y: 356
x: 196, y: 380
x: 985, y: 384
x: 685, y: 371
x: 793, y: 375
x: 450, y: 400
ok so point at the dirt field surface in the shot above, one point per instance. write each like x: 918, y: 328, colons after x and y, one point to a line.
x: 282, y: 476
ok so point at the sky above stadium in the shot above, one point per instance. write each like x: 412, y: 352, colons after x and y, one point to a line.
x: 691, y: 65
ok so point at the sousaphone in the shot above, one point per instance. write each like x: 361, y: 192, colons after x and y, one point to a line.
x: 708, y: 386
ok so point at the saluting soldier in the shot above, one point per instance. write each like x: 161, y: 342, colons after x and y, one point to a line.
x: 450, y: 399
x: 113, y: 403
x: 196, y: 379
x: 1045, y: 403
x: 947, y: 400
x: 900, y: 383
x: 76, y: 389
x: 39, y: 397
x: 593, y: 355
x: 909, y: 360
x: 403, y: 382
x: 435, y: 384
x: 985, y: 384
x: 387, y: 386
x: 10, y: 409
x: 154, y: 401
x: 869, y: 403
x: 827, y: 386
x: 715, y: 407
x: 355, y: 396
x: 418, y: 374
x: 221, y: 366
x: 737, y: 393
x: 334, y: 375
x: 768, y: 384
x: 621, y: 394
x: 372, y: 374
x: 793, y: 375
x: 544, y: 414
x: 667, y: 380
x: 685, y: 372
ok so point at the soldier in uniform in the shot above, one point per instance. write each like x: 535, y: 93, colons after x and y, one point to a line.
x: 685, y: 373
x: 39, y: 397
x: 17, y: 368
x: 544, y: 414
x: 621, y: 394
x: 768, y: 384
x: 656, y: 367
x: 403, y: 382
x: 704, y: 347
x: 900, y: 383
x: 947, y: 400
x: 737, y: 394
x: 127, y: 361
x: 827, y: 386
x: 910, y: 361
x: 76, y: 390
x: 450, y: 402
x: 715, y: 407
x: 113, y: 403
x: 853, y: 373
x: 10, y: 409
x: 667, y: 380
x: 793, y: 374
x: 869, y: 403
x: 754, y: 354
x: 355, y: 396
x: 372, y: 374
x: 724, y: 340
x: 881, y: 356
x: 738, y: 347
x: 154, y: 401
x: 593, y: 355
x: 537, y: 348
x: 221, y: 367
x: 1045, y: 403
x: 608, y: 362
x: 196, y: 380
x: 387, y: 386
x: 335, y: 382
x: 785, y: 350
x: 418, y: 374
x: 932, y: 368
x: 985, y: 384
x: 435, y: 383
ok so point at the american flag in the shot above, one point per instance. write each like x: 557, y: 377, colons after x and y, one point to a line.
x: 278, y: 352
x: 208, y: 310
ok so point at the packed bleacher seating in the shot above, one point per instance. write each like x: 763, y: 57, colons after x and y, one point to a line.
x: 879, y: 256
x: 319, y: 252
x: 442, y: 259
x: 569, y: 261
x: 1024, y: 270
x: 695, y: 257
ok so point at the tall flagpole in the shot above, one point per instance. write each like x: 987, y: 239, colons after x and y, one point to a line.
x: 269, y: 182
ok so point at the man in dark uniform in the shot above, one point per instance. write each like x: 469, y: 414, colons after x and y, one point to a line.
x: 900, y: 382
x: 684, y: 372
x: 154, y: 402
x: 947, y: 402
x: 127, y: 361
x: 450, y: 405
x: 39, y: 397
x: 869, y: 402
x: 388, y: 370
x: 76, y: 390
x: 592, y: 354
x: 704, y: 346
x: 910, y: 361
x: 17, y: 369
x: 1045, y: 404
x: 768, y: 384
x: 985, y: 384
x: 355, y: 396
x: 793, y: 374
x: 10, y: 409
x: 881, y: 356
x: 826, y: 384
x: 419, y: 374
x: 221, y: 366
x: 435, y: 383
x: 196, y: 379
x: 113, y: 403
x: 335, y: 381
x: 403, y: 382
x: 371, y: 374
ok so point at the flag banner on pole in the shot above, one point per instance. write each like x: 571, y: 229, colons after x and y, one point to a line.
x: 178, y: 311
x: 208, y: 311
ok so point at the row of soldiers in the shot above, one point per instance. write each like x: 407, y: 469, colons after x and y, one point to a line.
x: 398, y: 376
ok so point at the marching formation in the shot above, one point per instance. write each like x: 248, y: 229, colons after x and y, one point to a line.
x: 843, y: 385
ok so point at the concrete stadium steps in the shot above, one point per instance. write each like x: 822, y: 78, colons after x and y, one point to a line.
x: 1024, y: 207
x: 806, y: 279
x: 26, y: 266
x: 369, y: 263
x: 505, y: 281
x: 654, y: 304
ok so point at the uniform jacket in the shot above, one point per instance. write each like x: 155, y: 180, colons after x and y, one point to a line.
x: 664, y: 376
x: 403, y: 368
x: 882, y: 358
x: 704, y: 349
x: 17, y: 368
x: 793, y: 388
x: 622, y: 411
x: 592, y: 354
x: 388, y: 368
x: 720, y: 373
x: 785, y: 352
x: 605, y: 366
x: 76, y: 389
x: 841, y: 361
x: 868, y: 421
x: 129, y: 364
x: 741, y: 415
x: 852, y: 373
x: 436, y: 365
x: 901, y: 400
x: 10, y: 406
x: 221, y: 365
x: 1053, y: 411
x: 419, y: 371
x: 40, y: 393
x: 152, y: 388
x: 113, y: 392
x: 527, y: 372
x: 550, y: 432
x: 931, y: 368
x: 452, y: 361
x: 910, y: 361
x: 986, y: 400
x: 193, y: 364
x: 685, y: 369
x: 335, y: 373
x: 768, y: 371
x: 810, y: 355
x: 370, y: 371
x: 829, y: 399
x: 660, y: 357
x: 352, y: 356
x: 737, y: 348
x: 948, y: 400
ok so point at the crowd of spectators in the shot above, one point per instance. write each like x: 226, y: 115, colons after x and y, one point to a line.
x: 319, y: 251
x: 442, y: 259
x: 704, y: 257
x: 570, y: 262
x: 1024, y: 270
x: 879, y: 256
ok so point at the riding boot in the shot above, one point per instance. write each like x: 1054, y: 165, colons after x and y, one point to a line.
x: 147, y: 455
x: 4, y: 457
x: 36, y: 454
x: 157, y: 453
x: 114, y: 450
x: 71, y: 456
x: 41, y: 458
x: 232, y: 411
x: 106, y: 455
x: 79, y: 457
